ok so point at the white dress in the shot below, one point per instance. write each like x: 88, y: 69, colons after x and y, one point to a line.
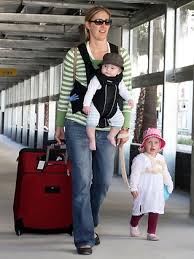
x: 148, y: 176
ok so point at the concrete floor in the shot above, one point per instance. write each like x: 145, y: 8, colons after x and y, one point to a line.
x: 176, y: 228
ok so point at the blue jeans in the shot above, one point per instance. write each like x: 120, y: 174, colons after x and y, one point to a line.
x: 91, y: 177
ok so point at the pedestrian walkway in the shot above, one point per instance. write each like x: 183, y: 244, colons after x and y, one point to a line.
x: 176, y: 228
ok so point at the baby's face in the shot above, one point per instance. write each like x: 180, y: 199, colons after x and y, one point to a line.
x: 110, y: 70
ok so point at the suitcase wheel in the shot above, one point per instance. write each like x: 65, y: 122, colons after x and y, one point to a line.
x: 18, y: 232
x: 69, y: 230
x: 19, y: 227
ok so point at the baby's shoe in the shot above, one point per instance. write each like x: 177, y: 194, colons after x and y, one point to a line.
x: 152, y: 237
x: 134, y: 231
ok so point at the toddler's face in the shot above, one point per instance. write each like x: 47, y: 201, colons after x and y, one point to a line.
x: 110, y: 70
x: 152, y: 146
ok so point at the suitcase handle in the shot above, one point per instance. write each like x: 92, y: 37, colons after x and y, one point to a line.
x: 53, y: 142
x: 56, y: 146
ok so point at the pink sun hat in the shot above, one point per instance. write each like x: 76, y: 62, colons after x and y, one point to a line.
x: 152, y: 133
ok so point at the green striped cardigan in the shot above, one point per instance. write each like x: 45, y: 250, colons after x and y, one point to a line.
x: 64, y: 106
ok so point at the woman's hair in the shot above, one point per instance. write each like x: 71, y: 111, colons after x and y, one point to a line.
x: 90, y: 14
x: 94, y: 10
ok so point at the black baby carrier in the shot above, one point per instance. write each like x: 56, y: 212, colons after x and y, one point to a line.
x: 80, y: 90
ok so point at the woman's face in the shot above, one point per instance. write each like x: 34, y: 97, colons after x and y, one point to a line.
x: 98, y: 32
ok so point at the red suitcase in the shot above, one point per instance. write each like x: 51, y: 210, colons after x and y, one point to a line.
x: 42, y: 201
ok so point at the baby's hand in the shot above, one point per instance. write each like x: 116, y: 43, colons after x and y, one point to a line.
x: 134, y: 194
x: 86, y: 109
x: 131, y: 103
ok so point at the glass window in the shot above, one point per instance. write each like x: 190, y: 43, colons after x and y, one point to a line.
x: 139, y: 49
x: 46, y: 116
x: 14, y: 94
x: 21, y: 91
x: 40, y: 88
x: 51, y: 80
x: 9, y: 96
x: 185, y: 35
x: 157, y: 44
x: 6, y: 97
x: 148, y: 110
x: 17, y: 93
x: 28, y: 89
x: 58, y: 78
x: 25, y: 90
x: 185, y: 93
x: 32, y: 87
x: 36, y: 86
x: 45, y: 83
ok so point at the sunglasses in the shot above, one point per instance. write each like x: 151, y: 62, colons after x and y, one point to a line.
x: 100, y: 21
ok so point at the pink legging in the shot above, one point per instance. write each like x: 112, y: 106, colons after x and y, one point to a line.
x: 152, y: 221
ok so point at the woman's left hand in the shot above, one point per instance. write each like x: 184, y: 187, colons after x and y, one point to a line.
x: 122, y: 137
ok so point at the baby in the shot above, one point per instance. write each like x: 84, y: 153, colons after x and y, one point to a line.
x: 102, y: 97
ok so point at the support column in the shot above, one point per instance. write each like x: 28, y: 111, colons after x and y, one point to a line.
x: 13, y: 123
x: 115, y: 35
x: 52, y: 104
x: 120, y: 37
x: 9, y: 122
x: 170, y: 93
x: 25, y: 124
x: 19, y: 123
x: 125, y: 44
x: 40, y: 125
x: 52, y: 109
x: 40, y: 113
x: 6, y: 122
x: 2, y: 102
x: 32, y: 125
x: 192, y: 162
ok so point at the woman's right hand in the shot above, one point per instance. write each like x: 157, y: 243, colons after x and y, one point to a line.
x: 59, y: 134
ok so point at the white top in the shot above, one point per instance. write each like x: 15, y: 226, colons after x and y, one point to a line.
x: 148, y: 176
x: 94, y: 85
x: 90, y: 52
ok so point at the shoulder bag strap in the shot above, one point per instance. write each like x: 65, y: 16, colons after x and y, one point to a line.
x: 113, y: 48
x: 90, y: 71
x: 122, y: 160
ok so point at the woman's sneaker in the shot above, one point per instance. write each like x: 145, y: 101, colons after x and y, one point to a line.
x: 134, y: 232
x: 152, y: 237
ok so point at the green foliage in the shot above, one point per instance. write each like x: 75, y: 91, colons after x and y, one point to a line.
x: 184, y: 141
x: 143, y: 31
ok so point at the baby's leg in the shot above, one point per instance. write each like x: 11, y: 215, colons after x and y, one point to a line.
x: 112, y: 134
x: 116, y: 123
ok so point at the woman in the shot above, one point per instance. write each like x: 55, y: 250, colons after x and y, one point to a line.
x: 91, y: 172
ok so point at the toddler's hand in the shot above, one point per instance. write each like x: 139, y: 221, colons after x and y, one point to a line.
x: 134, y: 194
x: 131, y: 103
x: 86, y: 109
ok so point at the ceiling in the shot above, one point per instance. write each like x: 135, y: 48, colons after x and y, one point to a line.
x: 36, y: 34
